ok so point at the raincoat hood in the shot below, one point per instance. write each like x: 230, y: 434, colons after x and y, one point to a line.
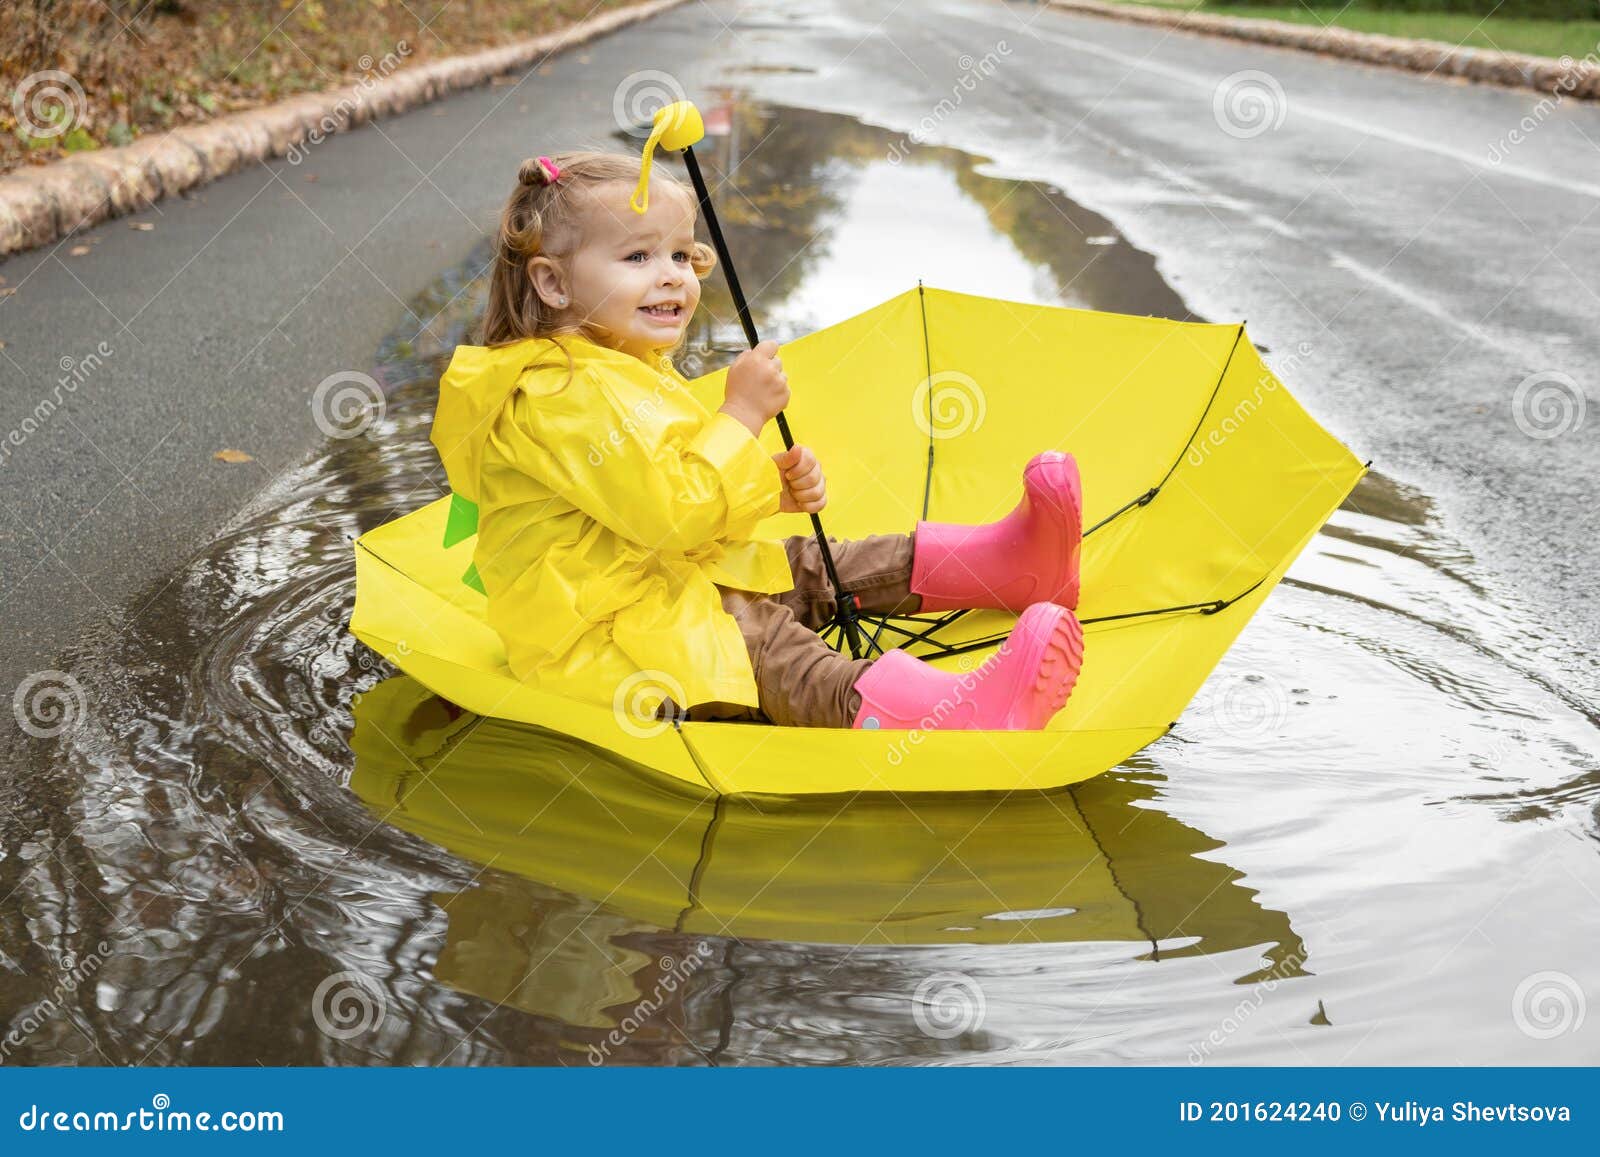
x: 475, y: 388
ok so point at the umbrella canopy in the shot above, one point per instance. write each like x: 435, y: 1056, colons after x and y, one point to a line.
x: 1203, y: 480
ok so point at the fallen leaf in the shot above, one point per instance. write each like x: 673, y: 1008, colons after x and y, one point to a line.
x: 6, y: 292
x: 2, y: 345
x: 231, y: 455
x: 77, y: 251
x: 311, y: 177
x: 142, y: 226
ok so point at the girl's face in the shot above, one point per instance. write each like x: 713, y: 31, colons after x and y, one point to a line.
x: 630, y: 277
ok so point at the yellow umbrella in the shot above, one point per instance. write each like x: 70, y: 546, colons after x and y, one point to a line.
x: 1203, y: 480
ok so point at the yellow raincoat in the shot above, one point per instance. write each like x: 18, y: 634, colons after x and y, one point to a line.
x: 609, y: 503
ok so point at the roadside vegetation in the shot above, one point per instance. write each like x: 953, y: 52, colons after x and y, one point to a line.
x: 1553, y: 28
x: 87, y: 74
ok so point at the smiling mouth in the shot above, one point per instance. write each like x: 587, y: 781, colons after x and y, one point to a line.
x: 662, y: 312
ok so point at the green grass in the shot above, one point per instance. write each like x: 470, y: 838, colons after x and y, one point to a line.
x: 1574, y: 38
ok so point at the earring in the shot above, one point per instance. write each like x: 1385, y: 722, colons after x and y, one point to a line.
x: 561, y: 301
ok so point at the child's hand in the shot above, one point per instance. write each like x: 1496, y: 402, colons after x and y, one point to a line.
x: 804, y: 490
x: 757, y: 387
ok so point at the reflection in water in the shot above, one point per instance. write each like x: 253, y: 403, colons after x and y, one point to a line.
x: 1085, y: 865
x: 824, y: 225
x: 492, y: 894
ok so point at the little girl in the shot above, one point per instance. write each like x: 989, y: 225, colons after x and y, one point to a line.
x: 616, y: 514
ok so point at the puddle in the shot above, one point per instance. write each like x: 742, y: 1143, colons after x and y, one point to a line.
x: 1370, y: 831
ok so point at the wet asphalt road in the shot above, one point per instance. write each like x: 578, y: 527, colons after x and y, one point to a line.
x: 1383, y: 228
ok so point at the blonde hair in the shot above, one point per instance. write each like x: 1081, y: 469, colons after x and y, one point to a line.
x: 543, y: 218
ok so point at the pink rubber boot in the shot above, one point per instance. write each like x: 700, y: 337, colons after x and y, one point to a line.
x: 1029, y: 556
x: 1019, y: 688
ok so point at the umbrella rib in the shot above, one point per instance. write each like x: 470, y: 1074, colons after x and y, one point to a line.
x: 1209, y: 607
x: 1206, y: 608
x: 700, y: 765
x: 1143, y: 500
x: 927, y: 358
x: 874, y: 644
x: 913, y: 636
x: 1204, y: 414
x: 1149, y: 495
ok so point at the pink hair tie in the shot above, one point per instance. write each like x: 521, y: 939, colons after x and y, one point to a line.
x: 550, y: 167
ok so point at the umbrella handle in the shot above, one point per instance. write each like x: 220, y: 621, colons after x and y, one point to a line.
x: 846, y: 603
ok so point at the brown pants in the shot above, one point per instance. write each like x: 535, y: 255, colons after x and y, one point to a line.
x: 800, y: 680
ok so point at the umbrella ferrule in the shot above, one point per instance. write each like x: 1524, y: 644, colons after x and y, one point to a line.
x: 675, y: 126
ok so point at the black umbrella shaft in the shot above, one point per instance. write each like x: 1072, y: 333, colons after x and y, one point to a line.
x: 846, y: 607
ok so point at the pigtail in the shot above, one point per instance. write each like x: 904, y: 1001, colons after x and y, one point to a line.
x: 538, y: 172
x: 514, y: 310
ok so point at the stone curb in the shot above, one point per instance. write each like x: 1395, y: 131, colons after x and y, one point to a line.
x: 45, y: 204
x: 1562, y: 78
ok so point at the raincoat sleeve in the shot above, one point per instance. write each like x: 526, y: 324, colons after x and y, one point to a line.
x: 672, y: 482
